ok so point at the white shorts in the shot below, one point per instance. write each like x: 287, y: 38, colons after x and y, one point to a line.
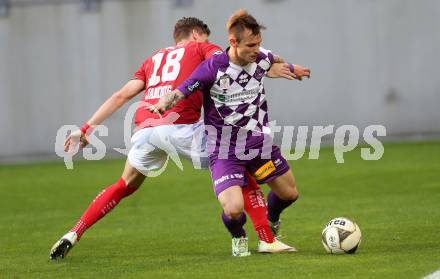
x: 153, y: 147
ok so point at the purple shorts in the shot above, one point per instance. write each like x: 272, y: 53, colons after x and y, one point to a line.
x: 231, y: 172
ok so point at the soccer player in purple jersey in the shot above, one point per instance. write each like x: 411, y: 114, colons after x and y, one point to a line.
x: 236, y: 119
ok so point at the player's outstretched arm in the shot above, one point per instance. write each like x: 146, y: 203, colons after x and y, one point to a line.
x: 167, y: 101
x: 278, y: 59
x: 112, y: 104
x: 288, y: 71
x: 299, y: 71
x: 281, y: 69
x: 117, y: 100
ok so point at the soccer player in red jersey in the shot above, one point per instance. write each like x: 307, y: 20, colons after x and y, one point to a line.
x: 160, y: 73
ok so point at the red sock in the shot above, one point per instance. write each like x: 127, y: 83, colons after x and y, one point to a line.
x: 101, y: 205
x: 256, y: 208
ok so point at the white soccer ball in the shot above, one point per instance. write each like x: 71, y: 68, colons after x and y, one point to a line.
x: 341, y: 235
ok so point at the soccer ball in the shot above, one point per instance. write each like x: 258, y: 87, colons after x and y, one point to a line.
x: 341, y: 235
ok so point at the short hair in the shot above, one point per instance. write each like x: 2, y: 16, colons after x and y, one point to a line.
x: 186, y: 25
x: 240, y: 21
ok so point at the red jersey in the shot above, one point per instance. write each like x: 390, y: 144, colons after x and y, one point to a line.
x: 163, y: 72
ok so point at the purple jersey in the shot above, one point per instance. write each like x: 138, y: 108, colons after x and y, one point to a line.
x: 234, y: 100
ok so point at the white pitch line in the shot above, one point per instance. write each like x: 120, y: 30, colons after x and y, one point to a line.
x: 435, y: 275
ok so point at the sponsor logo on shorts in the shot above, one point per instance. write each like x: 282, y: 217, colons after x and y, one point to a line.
x: 228, y: 177
x: 265, y: 170
x: 278, y: 162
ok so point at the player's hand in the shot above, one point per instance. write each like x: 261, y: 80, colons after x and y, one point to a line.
x: 280, y: 70
x: 158, y: 108
x: 75, y: 138
x: 166, y: 102
x: 300, y: 72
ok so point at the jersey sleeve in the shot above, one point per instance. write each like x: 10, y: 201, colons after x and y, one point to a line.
x: 208, y: 49
x: 203, y: 77
x: 141, y: 72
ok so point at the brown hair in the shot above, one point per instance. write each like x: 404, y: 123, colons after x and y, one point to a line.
x: 241, y: 20
x: 186, y: 25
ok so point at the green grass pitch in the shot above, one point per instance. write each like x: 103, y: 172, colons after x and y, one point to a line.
x: 171, y: 227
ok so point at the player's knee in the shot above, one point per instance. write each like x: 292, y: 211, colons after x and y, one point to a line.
x: 292, y: 194
x: 233, y: 211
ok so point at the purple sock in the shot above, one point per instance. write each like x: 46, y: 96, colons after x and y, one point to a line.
x: 275, y: 206
x: 235, y: 226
